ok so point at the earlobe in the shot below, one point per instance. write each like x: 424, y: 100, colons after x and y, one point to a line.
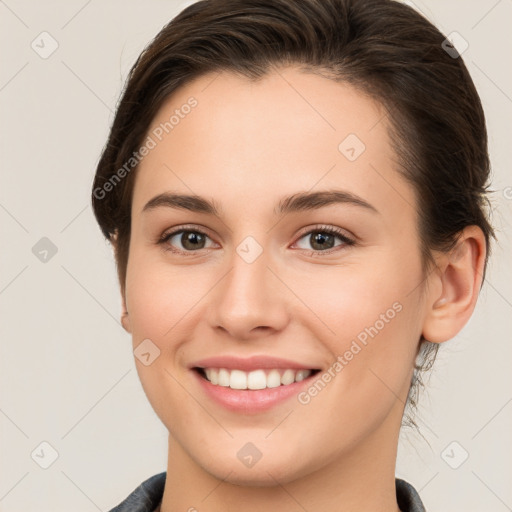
x: 125, y: 321
x: 125, y: 317
x: 460, y: 275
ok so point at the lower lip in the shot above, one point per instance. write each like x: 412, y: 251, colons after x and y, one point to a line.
x: 251, y: 401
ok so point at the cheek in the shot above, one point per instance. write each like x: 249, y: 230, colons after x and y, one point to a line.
x: 158, y: 299
x: 159, y: 296
x: 373, y: 354
x: 373, y: 313
x: 350, y: 298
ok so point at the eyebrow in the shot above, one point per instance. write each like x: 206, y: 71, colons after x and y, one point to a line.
x: 301, y: 201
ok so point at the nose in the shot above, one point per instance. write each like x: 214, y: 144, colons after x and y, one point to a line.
x: 250, y: 301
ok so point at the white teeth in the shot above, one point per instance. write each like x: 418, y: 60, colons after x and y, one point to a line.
x: 238, y: 380
x: 301, y: 375
x: 256, y: 379
x: 288, y: 377
x: 273, y: 379
x: 213, y: 377
x: 223, y: 379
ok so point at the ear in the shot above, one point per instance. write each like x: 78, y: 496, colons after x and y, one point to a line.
x: 125, y: 319
x: 459, y: 277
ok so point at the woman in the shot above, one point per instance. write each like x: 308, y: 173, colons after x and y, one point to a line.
x: 295, y: 192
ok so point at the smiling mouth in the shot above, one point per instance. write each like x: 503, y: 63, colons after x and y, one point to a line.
x: 255, y: 379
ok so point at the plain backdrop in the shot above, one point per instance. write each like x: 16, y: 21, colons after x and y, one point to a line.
x: 67, y: 372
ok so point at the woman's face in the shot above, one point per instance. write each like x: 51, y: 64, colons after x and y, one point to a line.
x: 263, y: 278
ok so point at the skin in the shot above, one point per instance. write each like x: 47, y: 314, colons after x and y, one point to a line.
x: 246, y: 146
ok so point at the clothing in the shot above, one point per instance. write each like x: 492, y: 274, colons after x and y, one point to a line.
x: 148, y: 495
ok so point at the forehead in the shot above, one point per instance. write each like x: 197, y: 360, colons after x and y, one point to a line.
x: 290, y: 131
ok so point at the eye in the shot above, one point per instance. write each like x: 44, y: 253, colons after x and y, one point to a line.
x: 189, y: 240
x: 323, y: 239
x: 186, y: 240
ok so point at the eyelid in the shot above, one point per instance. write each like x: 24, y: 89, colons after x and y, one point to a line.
x: 184, y: 227
x: 328, y: 228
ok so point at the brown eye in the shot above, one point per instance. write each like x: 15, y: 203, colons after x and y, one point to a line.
x: 185, y: 240
x: 320, y: 241
x: 191, y: 240
x: 324, y: 238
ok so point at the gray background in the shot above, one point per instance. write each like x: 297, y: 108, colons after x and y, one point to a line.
x: 67, y: 374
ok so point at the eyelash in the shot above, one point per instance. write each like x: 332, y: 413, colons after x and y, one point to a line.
x: 331, y: 230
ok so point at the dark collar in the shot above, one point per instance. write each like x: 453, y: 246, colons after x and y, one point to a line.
x: 148, y: 495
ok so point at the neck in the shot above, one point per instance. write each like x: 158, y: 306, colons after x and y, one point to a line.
x: 362, y: 478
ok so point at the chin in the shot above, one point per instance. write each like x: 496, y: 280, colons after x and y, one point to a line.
x: 265, y: 473
x: 264, y: 477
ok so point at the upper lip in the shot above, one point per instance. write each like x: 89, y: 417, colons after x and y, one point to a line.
x: 249, y: 363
